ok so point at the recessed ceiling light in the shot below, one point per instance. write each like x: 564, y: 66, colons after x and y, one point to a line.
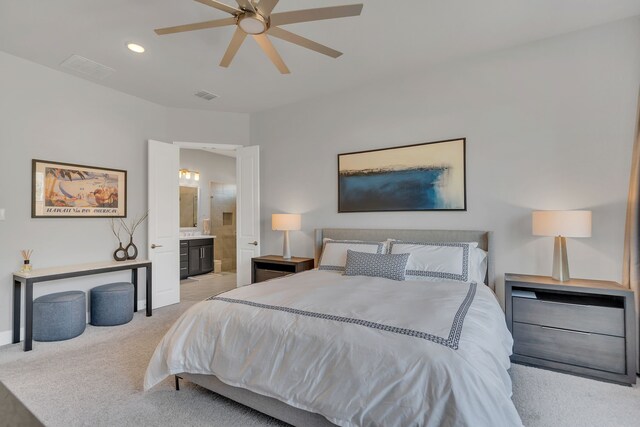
x: 135, y: 48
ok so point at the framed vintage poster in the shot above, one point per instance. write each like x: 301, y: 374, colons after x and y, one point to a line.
x: 420, y: 177
x: 65, y: 190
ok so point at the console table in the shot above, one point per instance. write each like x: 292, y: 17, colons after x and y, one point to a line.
x: 57, y: 273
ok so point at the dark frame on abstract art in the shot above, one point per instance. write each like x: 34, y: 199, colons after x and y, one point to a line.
x: 67, y: 190
x: 420, y: 177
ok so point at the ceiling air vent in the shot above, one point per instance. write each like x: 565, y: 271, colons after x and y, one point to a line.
x: 87, y: 67
x: 206, y: 95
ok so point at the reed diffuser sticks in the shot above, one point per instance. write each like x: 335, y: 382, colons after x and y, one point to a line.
x: 26, y: 256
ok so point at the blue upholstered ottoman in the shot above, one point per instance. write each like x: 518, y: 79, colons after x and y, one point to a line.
x: 59, y: 316
x: 112, y: 304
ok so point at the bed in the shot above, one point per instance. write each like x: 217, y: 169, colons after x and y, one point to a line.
x: 319, y: 348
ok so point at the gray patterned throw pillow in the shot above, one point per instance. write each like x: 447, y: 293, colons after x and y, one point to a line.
x: 388, y: 266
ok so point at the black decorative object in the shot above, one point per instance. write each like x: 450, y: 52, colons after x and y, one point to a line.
x: 131, y: 249
x: 120, y: 254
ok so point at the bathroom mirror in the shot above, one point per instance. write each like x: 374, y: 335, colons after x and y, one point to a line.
x: 188, y: 207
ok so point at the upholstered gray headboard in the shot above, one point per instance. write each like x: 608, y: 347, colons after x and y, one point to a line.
x: 484, y: 239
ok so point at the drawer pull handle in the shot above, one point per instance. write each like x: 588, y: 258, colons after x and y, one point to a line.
x: 566, y: 330
x: 565, y: 303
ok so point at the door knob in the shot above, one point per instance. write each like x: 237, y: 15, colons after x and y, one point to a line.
x: 254, y: 243
x: 153, y: 246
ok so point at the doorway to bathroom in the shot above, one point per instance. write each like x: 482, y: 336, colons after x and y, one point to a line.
x: 207, y: 220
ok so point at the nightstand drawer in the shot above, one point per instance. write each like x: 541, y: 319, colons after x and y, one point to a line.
x: 577, y: 317
x: 602, y: 352
x: 263, y: 274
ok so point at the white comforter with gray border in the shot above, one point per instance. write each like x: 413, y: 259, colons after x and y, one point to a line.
x: 360, y: 351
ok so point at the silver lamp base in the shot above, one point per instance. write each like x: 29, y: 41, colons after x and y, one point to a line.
x: 560, y: 263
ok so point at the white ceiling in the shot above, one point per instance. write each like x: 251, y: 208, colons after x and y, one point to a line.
x: 389, y: 38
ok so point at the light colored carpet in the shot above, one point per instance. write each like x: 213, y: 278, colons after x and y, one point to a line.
x: 96, y: 379
x: 550, y: 399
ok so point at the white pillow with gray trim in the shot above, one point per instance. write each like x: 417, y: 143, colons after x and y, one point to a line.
x: 334, y: 252
x: 437, y: 261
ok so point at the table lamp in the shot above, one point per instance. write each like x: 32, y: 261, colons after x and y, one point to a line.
x: 561, y: 224
x: 286, y: 223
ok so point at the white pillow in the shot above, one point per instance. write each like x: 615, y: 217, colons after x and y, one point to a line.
x: 334, y: 252
x: 435, y: 261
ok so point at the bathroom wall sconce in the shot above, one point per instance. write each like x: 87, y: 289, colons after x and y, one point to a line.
x: 186, y: 174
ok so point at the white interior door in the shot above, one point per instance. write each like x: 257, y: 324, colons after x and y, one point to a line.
x: 248, y: 210
x: 164, y: 222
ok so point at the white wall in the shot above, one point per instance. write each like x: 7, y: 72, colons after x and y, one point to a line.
x: 46, y: 114
x: 208, y: 127
x: 212, y: 167
x: 549, y: 125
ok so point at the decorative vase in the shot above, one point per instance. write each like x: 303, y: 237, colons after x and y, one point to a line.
x: 26, y: 267
x: 120, y: 254
x: 131, y: 249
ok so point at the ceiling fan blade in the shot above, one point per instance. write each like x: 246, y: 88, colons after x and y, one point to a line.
x: 301, y: 41
x: 197, y: 26
x: 318, y: 14
x: 271, y: 52
x: 220, y: 6
x: 234, y: 45
x: 266, y: 6
x: 246, y: 5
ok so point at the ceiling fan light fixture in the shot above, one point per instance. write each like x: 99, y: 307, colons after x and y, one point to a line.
x: 134, y: 47
x: 252, y: 23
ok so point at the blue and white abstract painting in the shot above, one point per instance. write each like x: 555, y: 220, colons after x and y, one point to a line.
x: 419, y: 177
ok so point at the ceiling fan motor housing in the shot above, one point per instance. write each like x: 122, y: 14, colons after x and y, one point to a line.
x: 253, y: 23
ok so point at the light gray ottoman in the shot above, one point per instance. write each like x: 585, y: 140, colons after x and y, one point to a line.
x: 112, y: 304
x: 59, y: 316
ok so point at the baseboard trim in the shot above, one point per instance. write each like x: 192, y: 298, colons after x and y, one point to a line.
x: 6, y: 337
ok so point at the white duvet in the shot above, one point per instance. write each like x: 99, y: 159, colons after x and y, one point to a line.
x: 360, y: 351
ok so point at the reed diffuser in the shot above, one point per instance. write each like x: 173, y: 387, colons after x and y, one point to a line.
x: 26, y: 256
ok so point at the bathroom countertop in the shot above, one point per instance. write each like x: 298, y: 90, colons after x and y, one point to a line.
x: 202, y: 236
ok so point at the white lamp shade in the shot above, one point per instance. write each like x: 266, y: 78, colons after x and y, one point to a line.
x: 562, y: 223
x: 285, y: 222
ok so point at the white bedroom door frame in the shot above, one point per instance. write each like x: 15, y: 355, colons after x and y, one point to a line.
x: 248, y: 211
x: 163, y: 233
x: 247, y: 203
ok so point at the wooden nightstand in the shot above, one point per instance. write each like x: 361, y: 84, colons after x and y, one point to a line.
x: 583, y: 327
x: 271, y: 266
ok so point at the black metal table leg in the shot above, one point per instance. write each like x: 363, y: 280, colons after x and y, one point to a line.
x: 28, y: 315
x: 149, y: 291
x: 134, y: 281
x: 17, y: 296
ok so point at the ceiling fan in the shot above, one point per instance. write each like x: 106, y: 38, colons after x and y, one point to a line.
x: 253, y: 17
